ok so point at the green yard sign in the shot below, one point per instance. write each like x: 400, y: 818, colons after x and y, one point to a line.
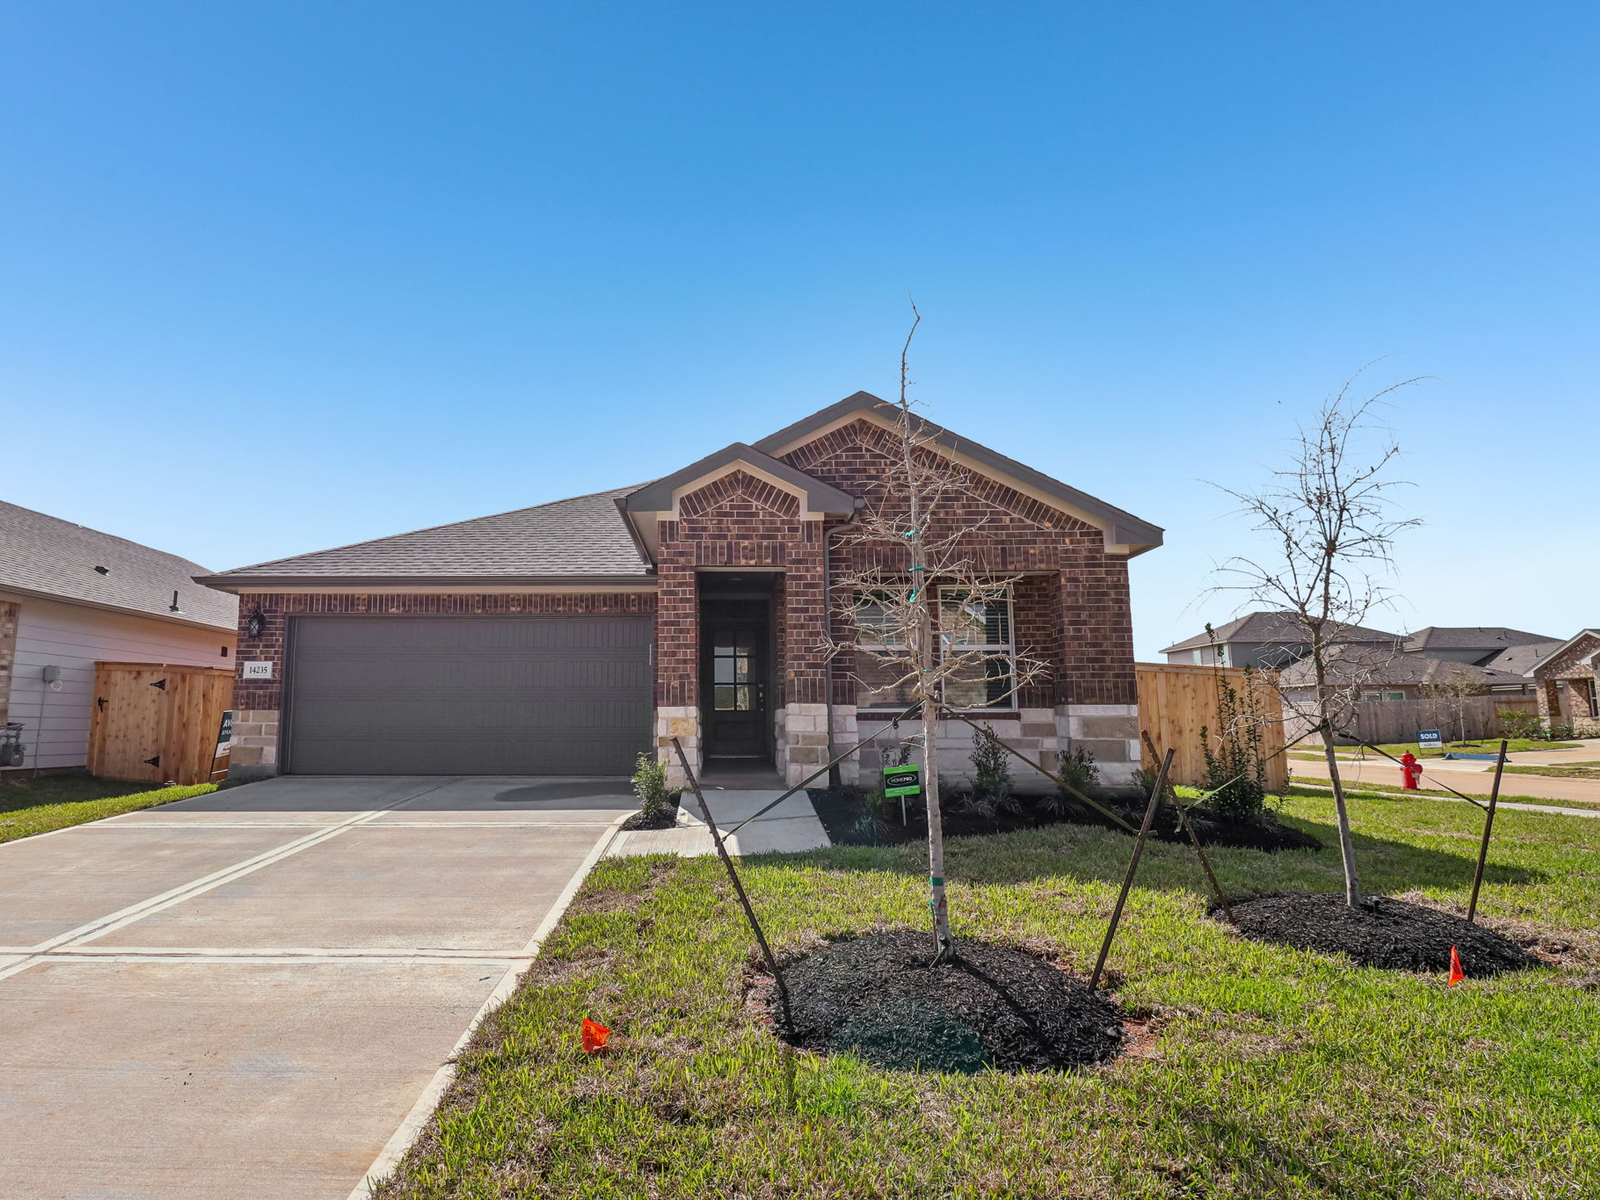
x: 902, y: 781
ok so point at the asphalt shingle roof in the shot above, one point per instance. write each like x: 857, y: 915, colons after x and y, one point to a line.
x: 1519, y: 660
x: 1268, y: 628
x: 1380, y: 665
x: 48, y: 556
x: 1473, y: 637
x: 584, y: 536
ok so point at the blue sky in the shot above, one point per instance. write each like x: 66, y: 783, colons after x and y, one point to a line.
x: 275, y: 277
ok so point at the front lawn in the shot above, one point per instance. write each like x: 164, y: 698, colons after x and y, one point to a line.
x: 56, y: 801
x: 1259, y: 1072
x: 1577, y: 770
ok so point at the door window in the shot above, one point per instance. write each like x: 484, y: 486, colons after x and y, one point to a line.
x: 730, y: 672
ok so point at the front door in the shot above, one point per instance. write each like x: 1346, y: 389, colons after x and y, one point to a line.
x: 734, y: 698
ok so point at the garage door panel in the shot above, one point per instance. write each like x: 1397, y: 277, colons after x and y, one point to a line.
x: 532, y: 695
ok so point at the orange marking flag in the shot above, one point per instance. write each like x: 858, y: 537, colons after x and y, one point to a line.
x: 1456, y: 973
x: 594, y: 1036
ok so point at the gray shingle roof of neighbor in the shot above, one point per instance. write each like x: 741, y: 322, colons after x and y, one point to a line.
x: 583, y: 538
x: 1472, y: 637
x: 1382, y: 665
x: 1519, y: 660
x: 1266, y: 628
x: 47, y: 556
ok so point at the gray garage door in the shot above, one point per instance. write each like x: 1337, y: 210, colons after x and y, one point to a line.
x: 468, y: 695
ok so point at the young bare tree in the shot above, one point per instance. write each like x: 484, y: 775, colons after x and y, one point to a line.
x: 1453, y: 691
x: 918, y: 609
x: 1329, y: 519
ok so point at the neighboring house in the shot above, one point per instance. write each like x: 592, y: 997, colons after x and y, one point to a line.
x: 1373, y: 672
x: 570, y: 637
x: 1567, y: 682
x: 71, y: 597
x: 1265, y: 640
x: 1480, y: 645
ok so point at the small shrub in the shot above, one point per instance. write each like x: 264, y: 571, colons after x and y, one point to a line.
x: 1077, y: 770
x: 650, y: 785
x: 1145, y: 779
x: 1236, y: 770
x: 991, y: 765
x: 1519, y: 723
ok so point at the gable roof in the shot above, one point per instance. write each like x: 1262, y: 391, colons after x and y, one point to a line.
x: 1564, y: 647
x: 1472, y: 637
x: 582, y: 540
x: 1121, y: 527
x: 819, y: 496
x: 1268, y: 628
x: 1521, y: 660
x: 45, y: 556
x: 1367, y: 663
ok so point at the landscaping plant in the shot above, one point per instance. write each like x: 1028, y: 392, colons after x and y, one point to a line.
x: 650, y: 785
x: 1236, y: 769
x: 1328, y: 524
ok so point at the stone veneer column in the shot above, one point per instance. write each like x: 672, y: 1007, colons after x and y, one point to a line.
x: 1108, y: 731
x: 254, y: 750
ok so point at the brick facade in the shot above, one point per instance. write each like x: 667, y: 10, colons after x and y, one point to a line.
x: 1070, y: 609
x: 1562, y: 685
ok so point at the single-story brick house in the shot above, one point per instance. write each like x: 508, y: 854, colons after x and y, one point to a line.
x: 1567, y: 681
x: 569, y: 637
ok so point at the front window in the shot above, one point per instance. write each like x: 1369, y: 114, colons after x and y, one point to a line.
x: 978, y: 628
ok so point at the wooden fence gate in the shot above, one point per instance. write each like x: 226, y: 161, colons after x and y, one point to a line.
x: 1176, y: 699
x: 159, y: 722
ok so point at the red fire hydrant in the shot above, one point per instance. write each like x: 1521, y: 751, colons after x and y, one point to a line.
x: 1411, y: 769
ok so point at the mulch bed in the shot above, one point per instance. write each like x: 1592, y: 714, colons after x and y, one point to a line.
x: 1379, y: 932
x: 667, y: 818
x: 875, y: 996
x: 841, y: 812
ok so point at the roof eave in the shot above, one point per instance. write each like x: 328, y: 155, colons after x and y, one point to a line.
x: 290, y: 583
x: 170, y: 618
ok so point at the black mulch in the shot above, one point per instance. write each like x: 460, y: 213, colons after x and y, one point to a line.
x: 876, y: 996
x: 1379, y: 932
x: 850, y: 821
x: 666, y: 818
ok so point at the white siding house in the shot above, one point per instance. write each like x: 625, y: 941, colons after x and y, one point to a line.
x: 71, y: 597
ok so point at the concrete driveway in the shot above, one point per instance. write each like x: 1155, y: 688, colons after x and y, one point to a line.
x: 254, y: 993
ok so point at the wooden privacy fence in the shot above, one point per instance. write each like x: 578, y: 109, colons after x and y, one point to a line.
x: 1399, y: 720
x: 1175, y: 700
x: 161, y: 722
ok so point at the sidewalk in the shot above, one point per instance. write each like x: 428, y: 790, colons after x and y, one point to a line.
x: 792, y: 826
x: 1473, y: 778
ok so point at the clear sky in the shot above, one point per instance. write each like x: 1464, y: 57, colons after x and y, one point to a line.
x: 275, y: 277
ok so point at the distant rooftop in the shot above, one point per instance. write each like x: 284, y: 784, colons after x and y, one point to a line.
x: 1270, y: 628
x: 49, y: 557
x: 1472, y: 637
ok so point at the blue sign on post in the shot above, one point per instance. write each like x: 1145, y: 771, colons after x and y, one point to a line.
x: 1429, y: 739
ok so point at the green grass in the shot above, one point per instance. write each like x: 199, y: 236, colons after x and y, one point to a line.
x: 1577, y: 770
x: 57, y: 801
x: 1270, y: 1073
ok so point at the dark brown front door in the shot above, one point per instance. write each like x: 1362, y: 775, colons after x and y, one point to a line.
x: 734, y: 698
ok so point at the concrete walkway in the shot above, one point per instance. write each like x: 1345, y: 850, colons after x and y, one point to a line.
x: 791, y: 826
x: 255, y: 993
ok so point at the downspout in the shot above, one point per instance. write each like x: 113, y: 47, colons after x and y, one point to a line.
x: 834, y: 779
